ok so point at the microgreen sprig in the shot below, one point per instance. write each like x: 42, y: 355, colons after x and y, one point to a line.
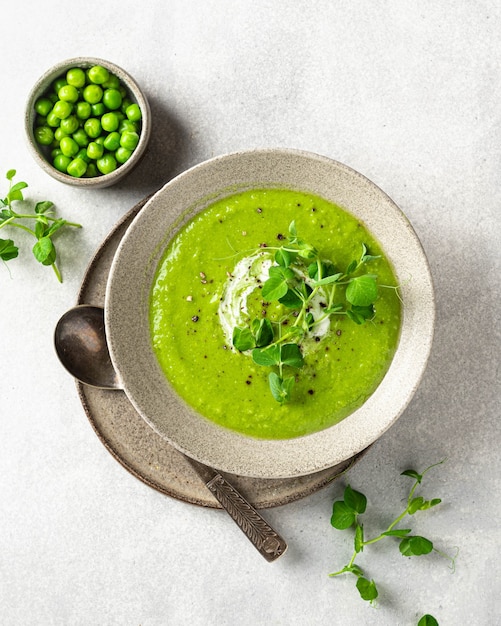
x: 346, y: 512
x: 45, y: 226
x: 298, y: 276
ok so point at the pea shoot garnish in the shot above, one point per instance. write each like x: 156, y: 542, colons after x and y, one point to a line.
x: 346, y: 513
x: 45, y: 226
x: 312, y: 290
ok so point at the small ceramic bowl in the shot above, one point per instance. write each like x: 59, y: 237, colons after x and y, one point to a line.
x: 41, y: 153
x: 127, y: 312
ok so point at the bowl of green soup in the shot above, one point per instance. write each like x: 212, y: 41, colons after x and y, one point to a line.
x: 270, y: 312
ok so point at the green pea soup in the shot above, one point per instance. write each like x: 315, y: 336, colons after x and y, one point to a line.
x: 194, y: 305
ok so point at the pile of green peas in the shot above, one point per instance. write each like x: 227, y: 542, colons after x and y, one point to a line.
x: 86, y: 122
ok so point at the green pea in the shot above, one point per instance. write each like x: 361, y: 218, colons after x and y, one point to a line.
x: 53, y: 120
x: 122, y: 154
x: 133, y: 112
x: 68, y: 93
x: 106, y: 164
x: 76, y: 77
x: 55, y: 152
x: 109, y: 122
x: 40, y: 121
x: 98, y: 109
x: 125, y: 103
x: 112, y: 99
x: 59, y: 134
x: 83, y: 110
x: 92, y: 127
x: 69, y: 146
x: 95, y: 150
x: 77, y: 167
x: 44, y: 135
x: 126, y: 124
x: 129, y: 140
x: 62, y: 109
x: 58, y: 83
x: 92, y: 170
x: 70, y: 124
x: 98, y: 74
x: 113, y: 82
x: 82, y: 154
x: 43, y: 106
x: 61, y: 162
x: 81, y: 137
x: 112, y: 141
x: 92, y: 94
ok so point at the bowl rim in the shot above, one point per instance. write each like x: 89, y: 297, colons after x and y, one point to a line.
x: 137, y: 95
x: 127, y: 293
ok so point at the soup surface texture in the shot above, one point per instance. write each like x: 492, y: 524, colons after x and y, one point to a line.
x: 209, y: 281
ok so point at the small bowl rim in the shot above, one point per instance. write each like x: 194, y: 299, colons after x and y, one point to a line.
x: 132, y: 87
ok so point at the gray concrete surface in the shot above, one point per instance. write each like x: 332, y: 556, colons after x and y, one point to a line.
x: 409, y: 94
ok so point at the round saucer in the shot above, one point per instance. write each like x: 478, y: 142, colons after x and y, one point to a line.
x: 146, y: 455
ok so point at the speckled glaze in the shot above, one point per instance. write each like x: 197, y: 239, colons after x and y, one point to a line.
x: 136, y: 94
x: 127, y: 300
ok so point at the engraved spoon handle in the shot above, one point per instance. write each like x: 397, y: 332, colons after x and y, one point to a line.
x: 267, y: 541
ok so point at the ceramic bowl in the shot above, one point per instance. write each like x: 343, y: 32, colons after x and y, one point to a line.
x: 41, y: 153
x: 130, y: 281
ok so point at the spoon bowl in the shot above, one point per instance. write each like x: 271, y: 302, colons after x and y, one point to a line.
x: 80, y: 344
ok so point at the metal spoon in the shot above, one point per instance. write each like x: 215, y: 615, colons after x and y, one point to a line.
x: 80, y: 343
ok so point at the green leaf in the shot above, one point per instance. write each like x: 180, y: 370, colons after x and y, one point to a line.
x: 335, y: 308
x: 44, y: 251
x: 427, y: 620
x: 415, y: 505
x: 292, y: 231
x: 359, y: 538
x: 363, y: 313
x: 413, y: 474
x: 280, y: 388
x: 55, y: 226
x: 362, y: 290
x: 367, y: 589
x: 263, y: 332
x: 8, y: 250
x: 415, y: 546
x: 15, y: 192
x: 40, y: 229
x: 291, y: 299
x: 243, y: 339
x: 342, y: 516
x: 268, y: 356
x: 366, y: 256
x: 355, y: 500
x: 334, y: 278
x: 397, y: 533
x: 276, y: 286
x: 351, y: 267
x: 43, y: 207
x: 428, y: 504
x: 283, y: 257
x: 290, y: 354
x: 10, y: 174
x: 355, y: 569
x: 306, y: 250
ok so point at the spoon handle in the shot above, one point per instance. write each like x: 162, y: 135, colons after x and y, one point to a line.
x: 264, y: 538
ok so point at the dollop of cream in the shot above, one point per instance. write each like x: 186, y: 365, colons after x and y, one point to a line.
x: 249, y: 274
